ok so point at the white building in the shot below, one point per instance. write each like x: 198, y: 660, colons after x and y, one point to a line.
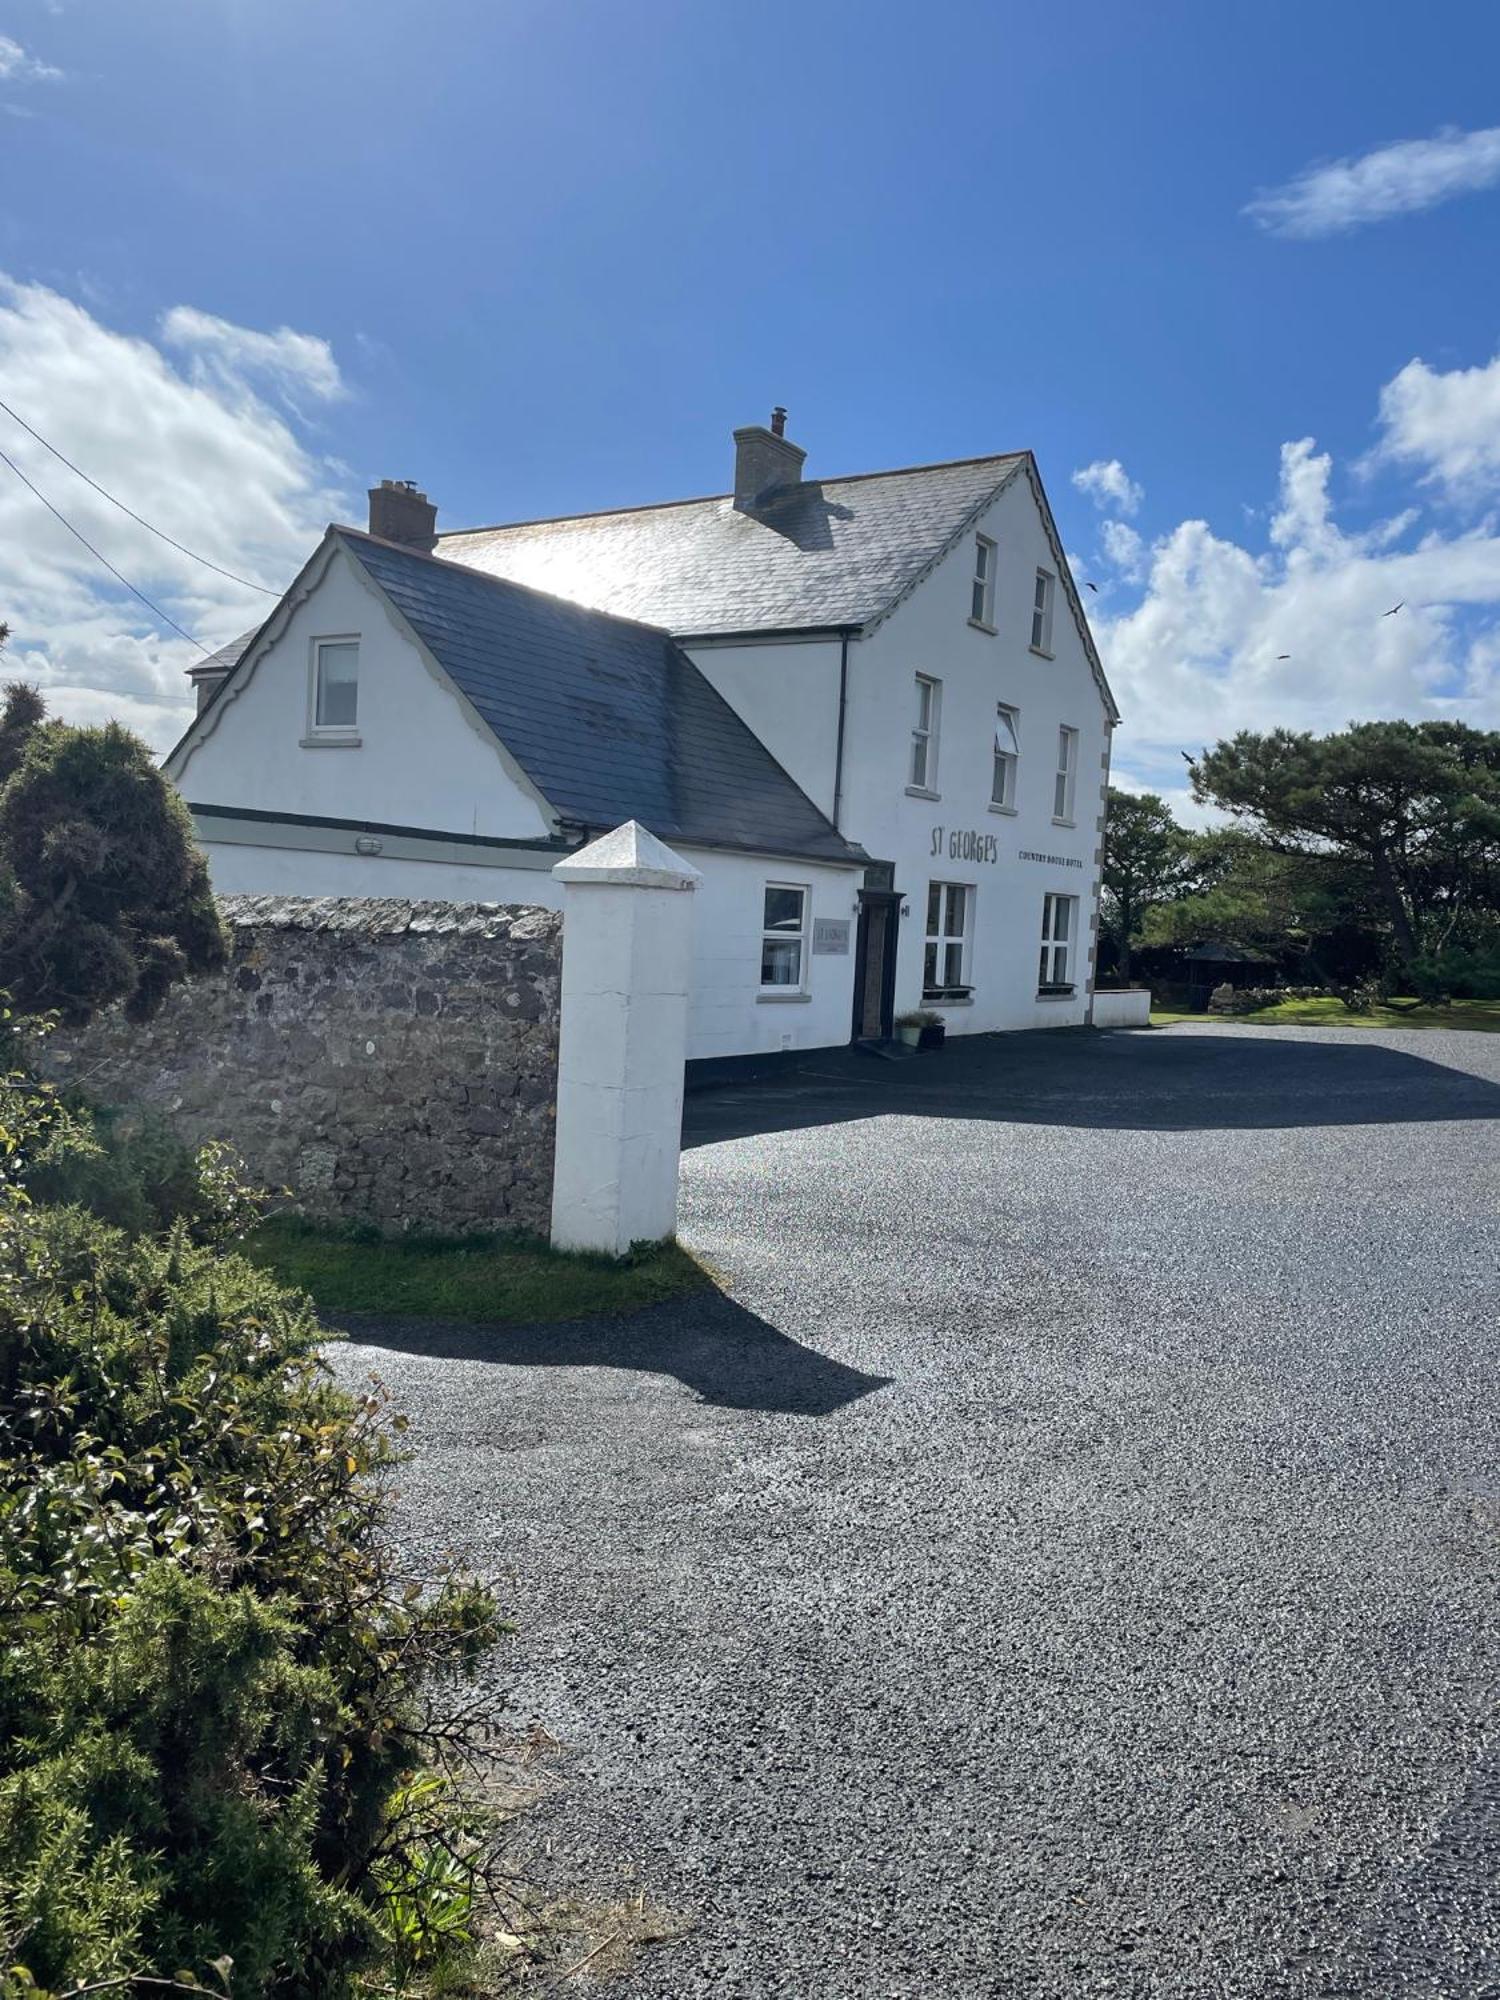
x: 869, y: 710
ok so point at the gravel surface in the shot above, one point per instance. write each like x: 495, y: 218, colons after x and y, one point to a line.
x: 1064, y: 1563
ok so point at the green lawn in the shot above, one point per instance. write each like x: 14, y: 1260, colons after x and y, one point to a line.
x: 476, y: 1278
x: 1483, y: 1015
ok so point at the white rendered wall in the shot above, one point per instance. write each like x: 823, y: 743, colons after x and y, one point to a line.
x: 728, y: 1016
x: 929, y: 633
x: 421, y: 760
x: 789, y: 696
x: 1125, y: 1007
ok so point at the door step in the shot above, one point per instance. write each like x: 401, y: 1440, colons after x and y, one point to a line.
x: 887, y: 1051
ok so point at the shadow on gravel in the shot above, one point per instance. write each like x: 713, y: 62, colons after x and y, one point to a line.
x: 1106, y: 1080
x: 727, y: 1355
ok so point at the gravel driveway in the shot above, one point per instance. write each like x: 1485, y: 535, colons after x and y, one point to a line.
x: 1064, y: 1564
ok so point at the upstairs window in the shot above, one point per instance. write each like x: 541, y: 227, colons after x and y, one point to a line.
x: 783, y: 934
x: 1007, y: 757
x: 335, y: 683
x: 982, y: 599
x: 924, y: 736
x: 945, y: 961
x: 1067, y: 772
x: 1059, y: 921
x: 1041, y: 612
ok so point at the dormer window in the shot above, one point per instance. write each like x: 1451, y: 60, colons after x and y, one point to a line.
x: 335, y: 690
x: 982, y: 595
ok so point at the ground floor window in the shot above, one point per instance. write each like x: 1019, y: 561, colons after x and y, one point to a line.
x: 783, y: 934
x: 945, y: 965
x: 1059, y: 925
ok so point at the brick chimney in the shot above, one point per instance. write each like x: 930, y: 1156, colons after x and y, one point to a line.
x: 763, y: 460
x: 400, y: 512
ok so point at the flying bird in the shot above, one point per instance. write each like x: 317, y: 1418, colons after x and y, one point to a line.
x: 1394, y: 609
x: 1283, y: 656
x: 1091, y: 586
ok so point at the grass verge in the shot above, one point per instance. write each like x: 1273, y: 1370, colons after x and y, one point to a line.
x: 1483, y: 1015
x: 496, y: 1278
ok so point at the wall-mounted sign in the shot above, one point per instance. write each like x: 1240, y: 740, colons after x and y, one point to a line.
x: 963, y: 844
x: 1052, y: 860
x: 830, y: 937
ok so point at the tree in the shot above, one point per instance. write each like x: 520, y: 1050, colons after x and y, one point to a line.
x: 103, y: 895
x: 1146, y: 862
x: 1415, y: 805
x: 1312, y: 915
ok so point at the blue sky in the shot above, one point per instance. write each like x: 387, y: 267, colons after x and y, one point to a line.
x: 542, y: 257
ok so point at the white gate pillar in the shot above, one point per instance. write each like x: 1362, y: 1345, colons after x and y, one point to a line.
x: 627, y: 963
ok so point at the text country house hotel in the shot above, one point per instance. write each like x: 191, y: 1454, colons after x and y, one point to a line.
x: 869, y: 710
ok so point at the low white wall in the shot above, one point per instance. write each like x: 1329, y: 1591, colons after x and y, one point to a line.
x: 1129, y: 1008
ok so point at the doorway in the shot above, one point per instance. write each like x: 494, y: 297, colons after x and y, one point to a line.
x: 875, y: 965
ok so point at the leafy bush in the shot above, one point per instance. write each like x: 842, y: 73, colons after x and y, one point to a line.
x: 131, y: 1169
x: 221, y: 1711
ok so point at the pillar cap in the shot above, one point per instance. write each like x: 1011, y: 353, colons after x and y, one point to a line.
x: 629, y: 858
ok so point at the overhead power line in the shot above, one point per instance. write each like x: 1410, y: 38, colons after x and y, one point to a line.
x: 139, y: 519
x: 155, y: 609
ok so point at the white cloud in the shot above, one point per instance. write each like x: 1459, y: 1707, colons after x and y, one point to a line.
x: 203, y: 455
x: 1446, y: 424
x: 1226, y: 637
x: 1108, y: 485
x: 18, y: 65
x: 229, y: 357
x: 1398, y: 179
x: 1124, y: 549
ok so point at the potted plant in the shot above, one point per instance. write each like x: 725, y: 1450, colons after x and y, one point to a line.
x: 934, y: 1029
x: 921, y: 1028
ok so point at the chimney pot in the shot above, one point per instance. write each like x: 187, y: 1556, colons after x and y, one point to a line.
x: 778, y: 422
x: 401, y: 512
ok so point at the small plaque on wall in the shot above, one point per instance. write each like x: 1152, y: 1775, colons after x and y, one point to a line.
x: 830, y: 937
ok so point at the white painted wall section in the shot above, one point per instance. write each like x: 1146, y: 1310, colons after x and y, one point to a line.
x: 419, y: 756
x: 1127, y: 1007
x: 627, y: 968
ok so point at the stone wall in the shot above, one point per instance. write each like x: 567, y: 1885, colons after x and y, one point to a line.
x: 389, y: 1062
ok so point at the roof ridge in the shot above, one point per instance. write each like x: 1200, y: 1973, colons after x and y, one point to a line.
x: 706, y: 499
x: 490, y: 577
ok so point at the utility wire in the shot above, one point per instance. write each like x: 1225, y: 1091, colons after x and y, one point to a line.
x: 161, y: 533
x: 154, y: 609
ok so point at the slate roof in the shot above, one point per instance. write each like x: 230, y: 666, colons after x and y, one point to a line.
x: 824, y: 552
x: 609, y: 719
x: 226, y: 657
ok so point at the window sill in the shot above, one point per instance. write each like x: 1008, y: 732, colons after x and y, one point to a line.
x: 772, y: 998
x: 331, y: 742
x: 1055, y: 992
x: 1009, y: 811
x: 1041, y: 652
x: 921, y: 792
x: 947, y: 1000
x: 980, y: 625
x: 1063, y: 822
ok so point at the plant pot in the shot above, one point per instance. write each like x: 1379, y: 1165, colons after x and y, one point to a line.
x: 910, y: 1038
x: 932, y: 1035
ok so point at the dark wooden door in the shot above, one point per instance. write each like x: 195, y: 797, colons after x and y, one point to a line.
x: 875, y: 964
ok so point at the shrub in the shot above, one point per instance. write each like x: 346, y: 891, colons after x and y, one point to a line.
x: 131, y: 1169
x: 217, y: 1700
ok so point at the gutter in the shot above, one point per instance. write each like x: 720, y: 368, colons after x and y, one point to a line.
x: 838, y: 754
